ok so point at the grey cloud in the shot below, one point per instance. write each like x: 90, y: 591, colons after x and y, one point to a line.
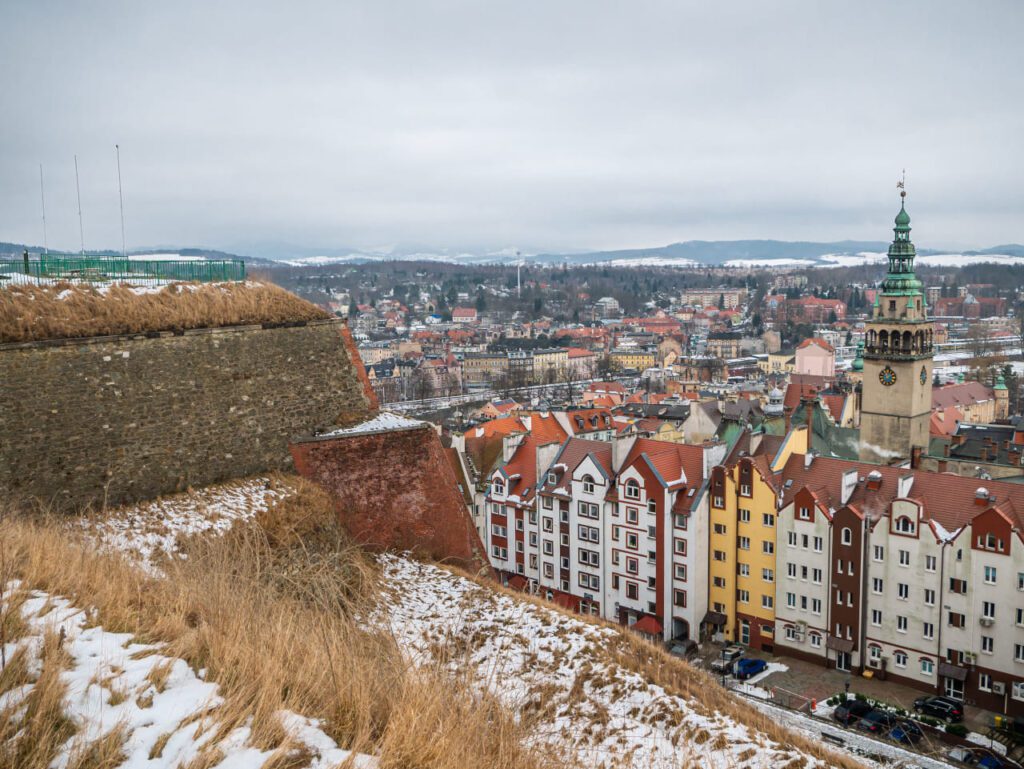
x: 568, y: 125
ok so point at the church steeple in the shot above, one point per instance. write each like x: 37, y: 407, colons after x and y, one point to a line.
x: 901, y: 280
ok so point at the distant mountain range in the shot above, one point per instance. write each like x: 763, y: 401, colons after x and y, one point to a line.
x: 692, y: 253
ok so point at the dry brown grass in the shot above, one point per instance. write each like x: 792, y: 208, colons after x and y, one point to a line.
x: 62, y: 311
x: 269, y: 616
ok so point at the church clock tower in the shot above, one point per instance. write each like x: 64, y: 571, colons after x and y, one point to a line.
x: 897, y: 390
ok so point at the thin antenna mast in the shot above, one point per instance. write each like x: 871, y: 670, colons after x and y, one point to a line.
x: 78, y: 191
x: 120, y: 195
x: 519, y: 278
x: 42, y: 198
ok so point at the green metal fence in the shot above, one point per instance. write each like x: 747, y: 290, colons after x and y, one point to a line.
x: 48, y: 268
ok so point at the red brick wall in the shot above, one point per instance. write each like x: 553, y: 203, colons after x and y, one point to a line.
x: 352, y: 417
x: 395, y: 490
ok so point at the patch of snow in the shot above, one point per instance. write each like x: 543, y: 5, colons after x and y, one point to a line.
x: 784, y: 262
x: 150, y: 530
x: 384, y: 421
x: 103, y: 665
x: 986, y: 742
x: 602, y: 714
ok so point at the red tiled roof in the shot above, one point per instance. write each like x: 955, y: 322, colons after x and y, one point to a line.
x: 647, y: 624
x: 943, y: 421
x: 948, y: 499
x: 545, y: 427
x: 963, y: 394
x: 816, y: 341
x: 606, y: 387
x: 670, y: 460
x: 464, y: 312
x: 835, y: 405
x: 590, y: 420
x: 572, y: 453
x: 579, y: 352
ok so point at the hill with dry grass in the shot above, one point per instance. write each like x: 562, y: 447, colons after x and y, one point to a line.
x: 236, y: 626
x: 65, y: 310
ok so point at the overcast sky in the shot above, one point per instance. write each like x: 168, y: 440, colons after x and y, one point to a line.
x: 554, y: 125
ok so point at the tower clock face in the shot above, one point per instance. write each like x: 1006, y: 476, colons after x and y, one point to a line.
x: 887, y: 377
x: 924, y: 375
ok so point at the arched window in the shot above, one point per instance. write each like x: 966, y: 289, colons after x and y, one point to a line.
x: 906, y: 341
x: 632, y: 489
x: 904, y: 525
x: 883, y: 340
x: 846, y: 536
x: 900, y: 658
x: 498, y: 486
x: 652, y: 506
x: 588, y: 484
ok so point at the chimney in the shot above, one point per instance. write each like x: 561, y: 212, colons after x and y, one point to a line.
x: 509, y: 444
x: 808, y: 459
x: 849, y: 483
x: 621, y: 446
x: 904, y: 484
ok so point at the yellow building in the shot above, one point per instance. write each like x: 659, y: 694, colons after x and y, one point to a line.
x: 628, y: 358
x: 778, y: 363
x: 550, y: 364
x: 741, y: 563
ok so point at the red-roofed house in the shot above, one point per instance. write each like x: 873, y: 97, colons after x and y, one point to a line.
x: 815, y: 357
x: 464, y: 315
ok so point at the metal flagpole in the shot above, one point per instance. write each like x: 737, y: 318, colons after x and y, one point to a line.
x: 78, y: 191
x: 42, y: 198
x: 120, y: 194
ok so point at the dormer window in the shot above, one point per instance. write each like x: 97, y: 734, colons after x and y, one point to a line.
x: 904, y: 525
x: 632, y: 489
x: 588, y: 484
x: 552, y: 478
x: 846, y: 536
x: 805, y: 513
x: 498, y: 486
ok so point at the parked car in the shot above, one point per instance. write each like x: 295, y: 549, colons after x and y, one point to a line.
x: 963, y: 756
x: 940, y: 707
x: 729, y: 656
x: 988, y: 760
x: 748, y: 667
x: 851, y: 711
x: 907, y: 732
x: 878, y: 721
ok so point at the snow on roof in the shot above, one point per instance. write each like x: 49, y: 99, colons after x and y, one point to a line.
x: 383, y: 422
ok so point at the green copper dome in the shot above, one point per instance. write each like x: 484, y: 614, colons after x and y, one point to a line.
x: 1000, y: 383
x: 858, y: 362
x: 902, y: 218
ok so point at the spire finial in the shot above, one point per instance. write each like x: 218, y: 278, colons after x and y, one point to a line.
x: 901, y: 185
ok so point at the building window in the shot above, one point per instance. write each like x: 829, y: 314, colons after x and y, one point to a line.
x: 1018, y: 690
x: 1018, y: 652
x: 878, y: 553
x: 679, y: 598
x: 652, y: 506
x: 791, y: 570
x: 792, y: 539
x: 588, y: 484
x: 767, y: 602
x: 900, y: 658
x: 903, y: 591
x: 816, y: 640
x: 498, y: 486
x: 929, y: 563
x: 768, y: 548
x: 901, y: 624
x: 928, y: 630
x: 631, y: 515
x: 719, y: 528
x: 990, y: 575
x: 679, y: 546
x: 745, y: 489
x: 547, y: 502
x: 744, y: 569
x: 904, y: 558
x: 791, y: 600
x: 876, y: 617
x: 499, y: 552
x: 988, y: 610
x: 805, y: 513
x: 987, y: 644
x: 985, y: 682
x: 744, y: 516
x: 816, y: 576
x: 817, y: 544
x: 815, y: 606
x: 632, y: 590
x: 680, y: 521
x: 929, y: 597
x: 768, y: 575
x: 743, y: 596
x: 1020, y: 580
x: 790, y: 633
x: 958, y: 586
x: 681, y: 572
x: 768, y: 519
x: 846, y: 536
x: 718, y: 501
x: 631, y: 540
x: 927, y: 667
x: 632, y: 489
x: 904, y: 525
x: 744, y: 543
x: 632, y: 566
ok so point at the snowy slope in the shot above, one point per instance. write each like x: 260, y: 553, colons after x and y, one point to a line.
x: 167, y: 712
x: 601, y: 713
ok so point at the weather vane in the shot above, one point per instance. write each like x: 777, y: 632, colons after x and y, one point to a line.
x: 901, y: 185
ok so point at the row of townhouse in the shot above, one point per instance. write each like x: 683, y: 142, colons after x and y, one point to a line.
x: 914, y: 576
x: 611, y: 528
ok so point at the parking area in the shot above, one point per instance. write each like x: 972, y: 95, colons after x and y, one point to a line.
x: 809, y: 681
